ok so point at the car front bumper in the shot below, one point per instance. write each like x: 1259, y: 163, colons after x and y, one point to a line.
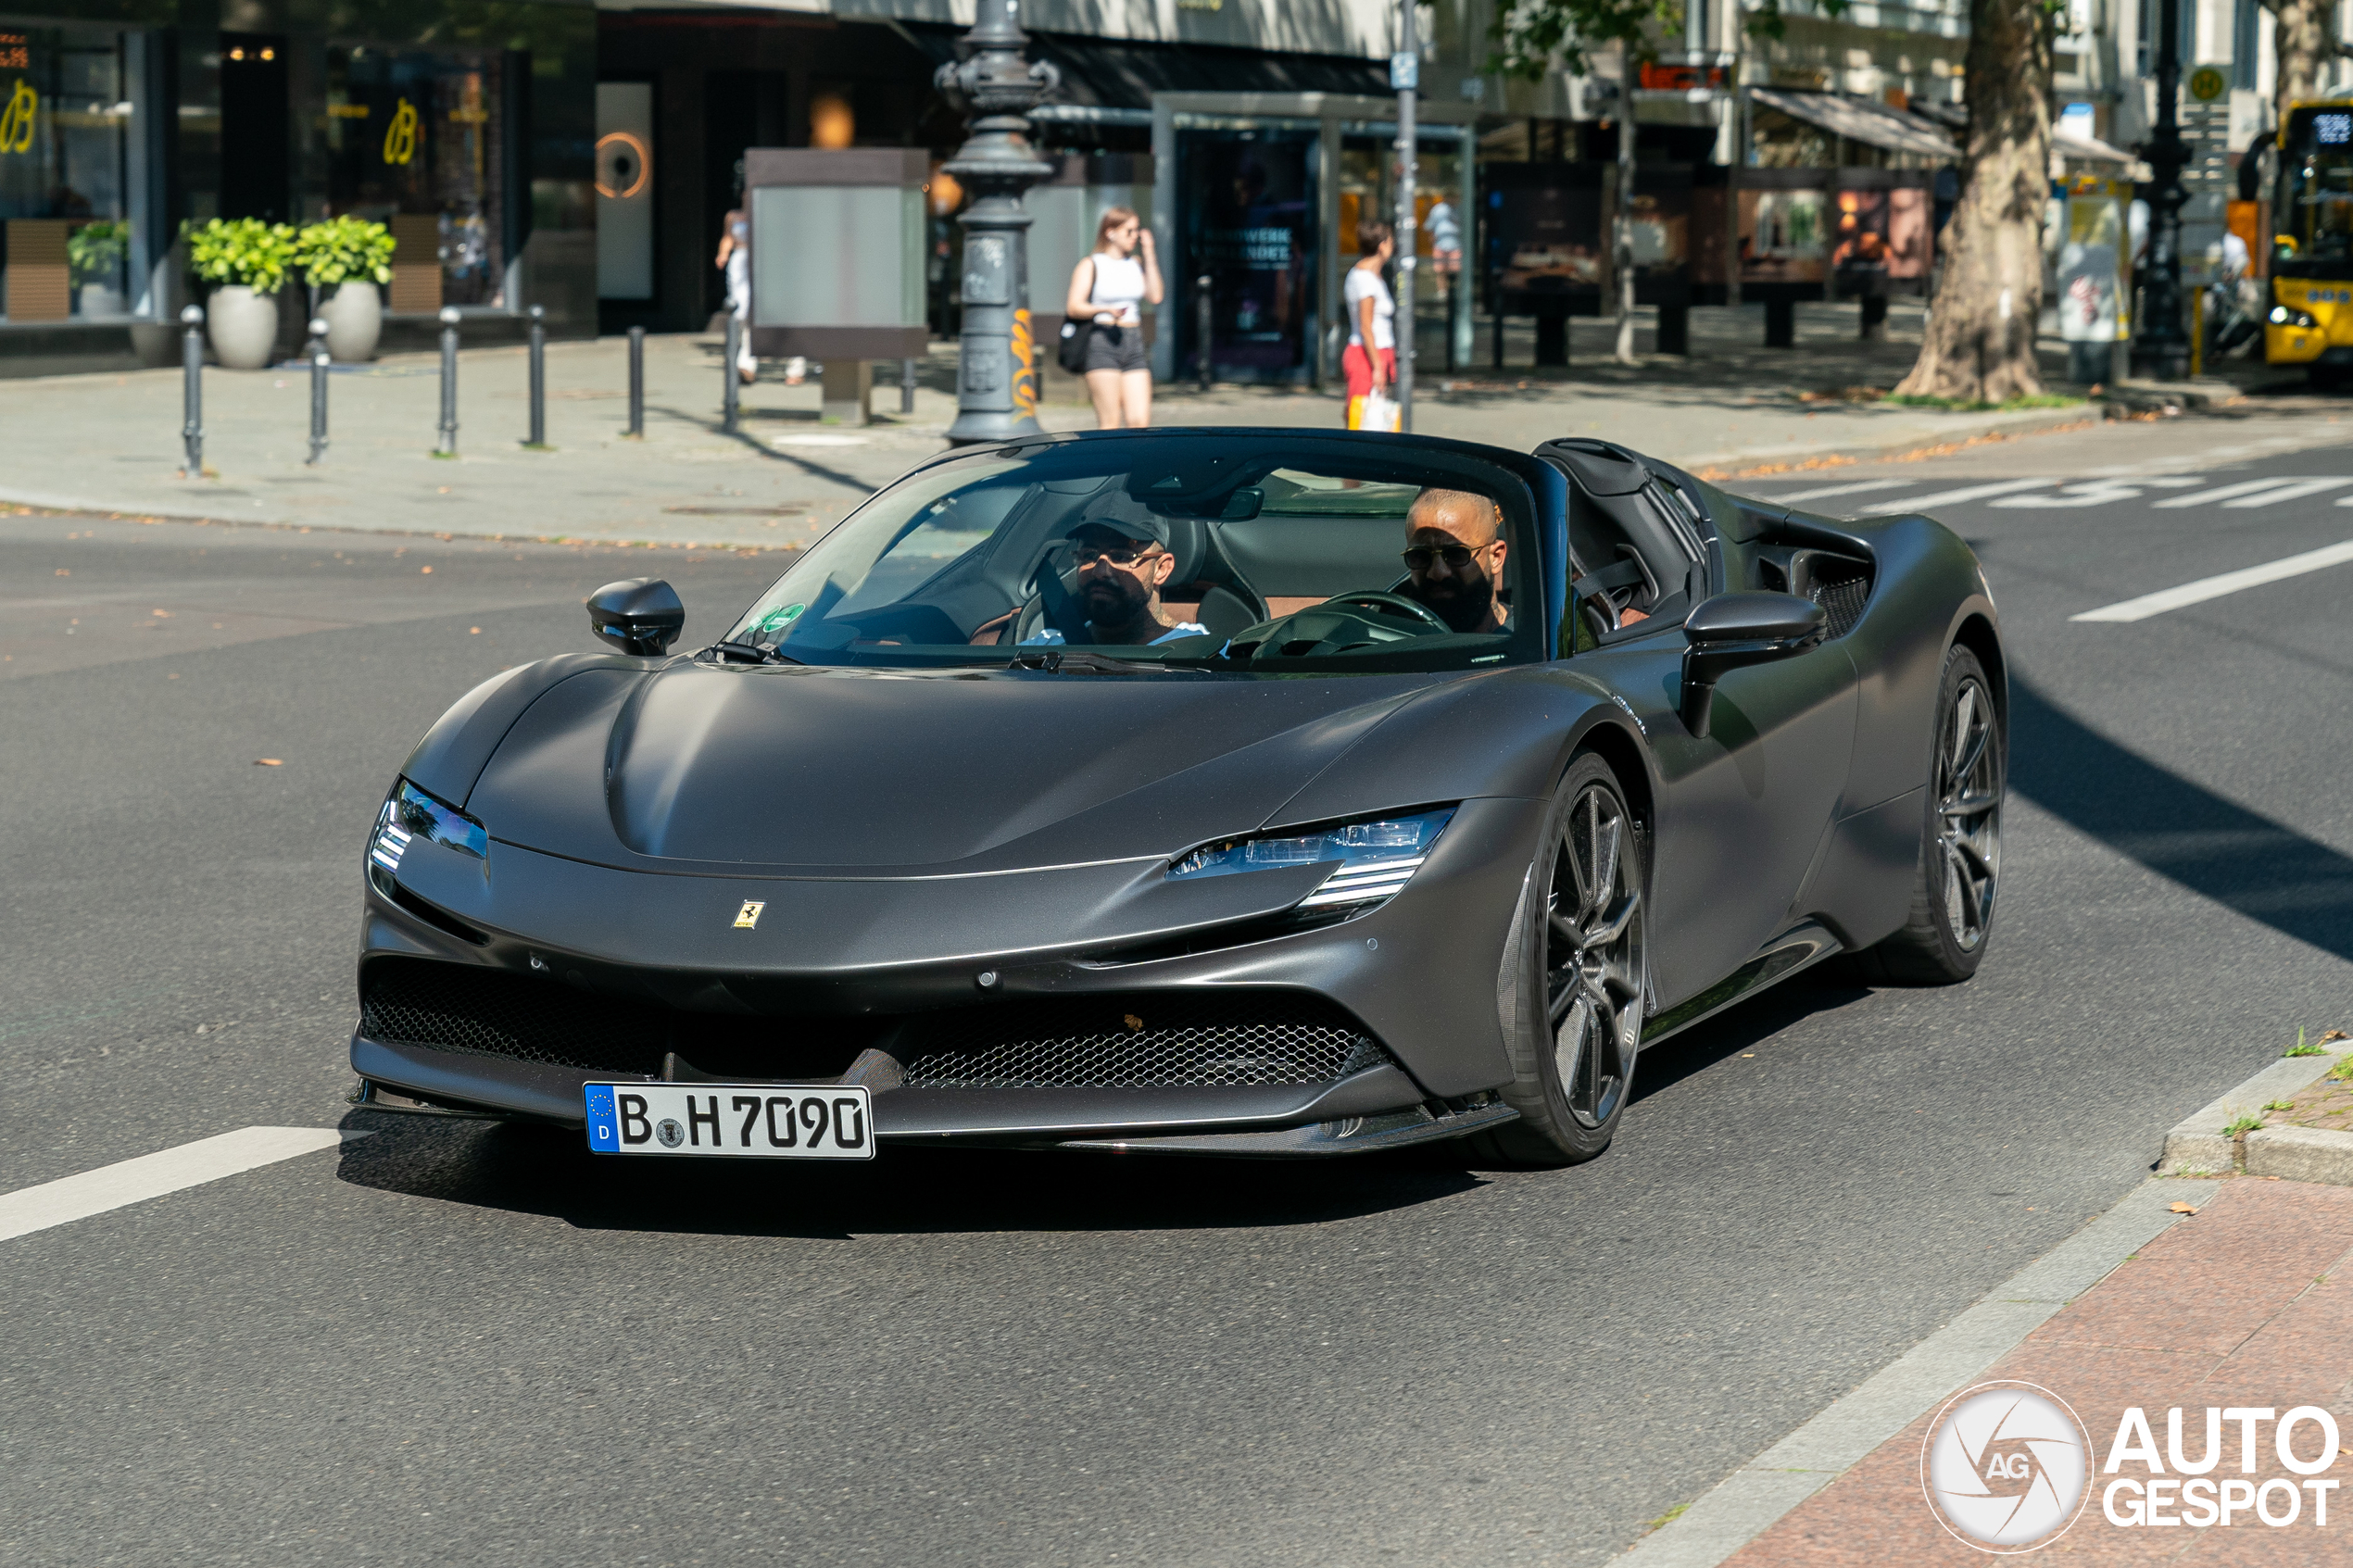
x: 1415, y: 978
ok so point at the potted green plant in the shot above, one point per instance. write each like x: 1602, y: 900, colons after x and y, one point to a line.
x: 94, y: 255
x: 245, y: 260
x: 352, y: 257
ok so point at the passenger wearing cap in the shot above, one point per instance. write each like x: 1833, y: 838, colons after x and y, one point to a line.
x: 1120, y: 547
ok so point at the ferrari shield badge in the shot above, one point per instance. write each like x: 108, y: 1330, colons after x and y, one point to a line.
x: 749, y: 916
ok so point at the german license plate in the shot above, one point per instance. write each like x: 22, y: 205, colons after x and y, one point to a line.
x: 754, y: 1121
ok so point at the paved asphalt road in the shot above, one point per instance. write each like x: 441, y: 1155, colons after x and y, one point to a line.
x: 452, y: 1343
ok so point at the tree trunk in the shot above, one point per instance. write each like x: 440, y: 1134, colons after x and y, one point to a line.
x: 1979, y: 344
x: 2303, y: 42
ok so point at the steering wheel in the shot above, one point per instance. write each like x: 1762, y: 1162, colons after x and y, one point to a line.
x: 1373, y: 599
x: 1330, y: 628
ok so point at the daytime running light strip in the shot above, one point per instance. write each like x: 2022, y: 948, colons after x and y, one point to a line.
x: 1358, y: 884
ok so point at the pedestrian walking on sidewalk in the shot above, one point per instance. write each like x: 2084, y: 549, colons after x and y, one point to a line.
x: 1106, y: 289
x: 1370, y: 362
x: 735, y: 258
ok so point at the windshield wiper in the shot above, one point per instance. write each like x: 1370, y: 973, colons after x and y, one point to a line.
x: 1084, y: 661
x: 751, y: 650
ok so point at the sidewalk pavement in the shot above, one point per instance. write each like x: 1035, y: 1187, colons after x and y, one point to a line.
x: 2249, y: 1305
x: 111, y: 444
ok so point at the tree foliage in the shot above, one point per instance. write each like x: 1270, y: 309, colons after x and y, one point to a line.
x: 1533, y: 37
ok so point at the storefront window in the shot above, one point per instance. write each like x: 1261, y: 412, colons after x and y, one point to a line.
x: 65, y: 196
x: 1248, y: 225
x: 414, y: 140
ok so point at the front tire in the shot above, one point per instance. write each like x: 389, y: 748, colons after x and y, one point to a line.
x: 1580, y: 988
x: 1960, y: 863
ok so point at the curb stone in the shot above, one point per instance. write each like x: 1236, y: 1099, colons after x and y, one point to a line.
x: 2197, y: 1146
x: 2301, y: 1154
x: 1751, y: 1498
x: 1825, y: 453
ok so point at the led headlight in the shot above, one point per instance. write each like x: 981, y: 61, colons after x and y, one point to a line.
x: 1369, y: 860
x: 2283, y: 317
x: 411, y: 813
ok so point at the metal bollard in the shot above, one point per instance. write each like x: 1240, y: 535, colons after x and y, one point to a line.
x: 539, y: 437
x: 448, y: 447
x: 727, y: 376
x: 637, y: 383
x: 1201, y: 325
x: 907, y: 385
x: 318, y: 362
x: 192, y: 425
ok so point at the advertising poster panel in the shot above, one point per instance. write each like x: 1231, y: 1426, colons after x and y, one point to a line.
x: 1249, y: 226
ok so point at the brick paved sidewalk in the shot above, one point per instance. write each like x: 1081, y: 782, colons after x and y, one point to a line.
x: 2249, y: 1304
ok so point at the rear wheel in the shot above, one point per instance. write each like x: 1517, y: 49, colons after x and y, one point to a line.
x: 1960, y: 864
x: 1579, y: 992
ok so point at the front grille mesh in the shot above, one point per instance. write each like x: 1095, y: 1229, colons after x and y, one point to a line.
x: 1161, y: 1041
x: 1842, y: 601
x: 484, y: 1012
x: 1137, y: 1043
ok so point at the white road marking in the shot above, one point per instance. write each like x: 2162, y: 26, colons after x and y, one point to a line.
x: 1855, y: 488
x: 2091, y: 493
x: 2227, y: 582
x: 151, y: 1175
x: 2244, y: 487
x: 2294, y: 490
x: 1953, y: 498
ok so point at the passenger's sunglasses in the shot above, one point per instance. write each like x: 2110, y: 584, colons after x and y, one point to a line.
x: 1118, y: 555
x: 1421, y: 557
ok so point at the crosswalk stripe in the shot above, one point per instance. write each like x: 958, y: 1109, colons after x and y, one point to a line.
x: 1856, y: 487
x: 1953, y: 498
x: 2227, y: 582
x: 2225, y: 491
x: 151, y: 1175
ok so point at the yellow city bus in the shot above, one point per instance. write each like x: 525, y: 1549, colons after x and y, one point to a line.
x: 2311, y: 319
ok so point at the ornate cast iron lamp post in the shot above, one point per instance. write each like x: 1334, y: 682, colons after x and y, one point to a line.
x: 997, y: 380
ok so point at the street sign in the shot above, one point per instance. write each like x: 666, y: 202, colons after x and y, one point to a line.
x: 2207, y: 83
x: 1405, y: 72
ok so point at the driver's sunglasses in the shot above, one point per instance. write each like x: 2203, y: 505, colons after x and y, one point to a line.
x: 1420, y: 556
x: 1118, y: 555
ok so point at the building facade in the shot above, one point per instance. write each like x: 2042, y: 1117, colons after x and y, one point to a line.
x: 467, y: 125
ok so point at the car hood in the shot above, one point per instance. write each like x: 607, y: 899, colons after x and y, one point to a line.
x: 696, y: 766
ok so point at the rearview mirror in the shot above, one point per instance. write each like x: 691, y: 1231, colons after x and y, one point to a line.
x: 1732, y: 630
x: 640, y: 615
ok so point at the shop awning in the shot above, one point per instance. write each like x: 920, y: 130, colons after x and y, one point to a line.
x: 1861, y: 119
x: 1110, y: 73
x: 2071, y: 144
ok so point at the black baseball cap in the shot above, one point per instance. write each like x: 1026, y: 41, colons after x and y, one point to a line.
x: 1123, y: 515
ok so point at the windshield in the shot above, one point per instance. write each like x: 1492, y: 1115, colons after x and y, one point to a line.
x: 1240, y: 552
x: 2313, y: 224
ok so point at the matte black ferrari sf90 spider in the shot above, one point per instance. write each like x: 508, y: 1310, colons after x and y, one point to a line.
x: 1252, y: 792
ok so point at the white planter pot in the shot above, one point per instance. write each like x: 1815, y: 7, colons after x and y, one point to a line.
x: 100, y: 300
x: 244, y: 326
x: 355, y: 317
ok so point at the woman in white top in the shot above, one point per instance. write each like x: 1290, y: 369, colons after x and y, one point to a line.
x: 1370, y: 362
x: 1106, y: 288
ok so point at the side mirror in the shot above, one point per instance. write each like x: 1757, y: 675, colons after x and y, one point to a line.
x: 641, y: 616
x: 1732, y: 630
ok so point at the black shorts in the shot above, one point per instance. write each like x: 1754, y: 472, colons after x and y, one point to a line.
x: 1116, y: 348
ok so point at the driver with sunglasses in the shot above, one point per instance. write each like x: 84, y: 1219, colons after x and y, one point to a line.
x: 1454, y: 549
x: 1120, y: 547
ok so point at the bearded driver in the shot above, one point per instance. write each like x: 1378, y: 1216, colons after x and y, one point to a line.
x: 1454, y: 547
x: 1120, y: 547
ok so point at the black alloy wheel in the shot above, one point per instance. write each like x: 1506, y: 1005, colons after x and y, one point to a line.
x: 1955, y: 884
x: 1968, y: 808
x: 1580, y: 1024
